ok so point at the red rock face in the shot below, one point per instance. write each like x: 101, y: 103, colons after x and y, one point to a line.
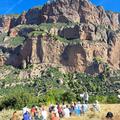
x: 78, y: 11
x: 96, y: 29
x: 114, y: 55
x: 2, y: 60
x: 6, y: 22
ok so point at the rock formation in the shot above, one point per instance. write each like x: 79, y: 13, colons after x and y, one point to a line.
x: 87, y: 33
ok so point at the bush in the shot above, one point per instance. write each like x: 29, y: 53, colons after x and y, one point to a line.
x: 113, y: 99
x: 101, y: 99
x: 54, y: 96
x: 17, y: 41
x: 69, y: 96
x: 18, y: 98
x: 109, y: 99
x: 2, y: 37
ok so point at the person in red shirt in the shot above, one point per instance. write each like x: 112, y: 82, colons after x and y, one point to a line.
x: 33, y: 111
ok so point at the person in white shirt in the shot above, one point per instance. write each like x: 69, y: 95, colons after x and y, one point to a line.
x: 66, y: 112
x: 25, y: 109
x: 56, y: 110
x: 96, y: 106
x: 44, y: 114
x: 79, y: 105
x: 86, y: 97
x: 84, y: 107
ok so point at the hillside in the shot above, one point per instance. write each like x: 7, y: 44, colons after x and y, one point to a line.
x: 65, y: 37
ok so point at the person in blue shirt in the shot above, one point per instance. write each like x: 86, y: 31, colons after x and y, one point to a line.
x: 26, y: 116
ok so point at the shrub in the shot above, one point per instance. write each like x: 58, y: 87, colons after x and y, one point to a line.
x: 18, y: 98
x: 17, y: 41
x: 2, y: 36
x: 113, y: 99
x: 69, y: 96
x: 54, y: 96
x: 109, y: 99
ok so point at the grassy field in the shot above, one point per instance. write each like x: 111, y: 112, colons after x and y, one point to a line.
x: 90, y: 115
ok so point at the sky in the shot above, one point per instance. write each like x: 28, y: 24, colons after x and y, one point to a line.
x: 18, y: 6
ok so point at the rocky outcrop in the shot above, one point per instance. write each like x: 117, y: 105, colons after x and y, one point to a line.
x: 66, y: 11
x: 33, y: 16
x: 39, y: 50
x: 2, y: 60
x: 89, y: 33
x: 77, y: 11
x: 13, y: 32
x: 71, y: 57
x: 70, y: 32
x: 114, y: 52
x: 5, y: 23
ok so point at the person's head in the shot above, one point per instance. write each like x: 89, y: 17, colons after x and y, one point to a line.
x: 109, y: 115
x: 36, y: 109
x: 33, y: 106
x: 14, y: 112
x: 58, y: 105
x: 40, y: 105
x: 27, y: 110
x: 83, y: 102
x: 66, y: 106
x: 78, y: 102
x: 44, y: 108
x: 51, y: 109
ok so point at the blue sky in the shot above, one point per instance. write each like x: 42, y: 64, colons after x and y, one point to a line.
x: 17, y: 6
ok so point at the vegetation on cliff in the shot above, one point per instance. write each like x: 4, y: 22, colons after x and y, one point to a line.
x: 54, y: 86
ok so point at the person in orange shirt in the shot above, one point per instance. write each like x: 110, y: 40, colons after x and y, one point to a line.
x: 54, y: 116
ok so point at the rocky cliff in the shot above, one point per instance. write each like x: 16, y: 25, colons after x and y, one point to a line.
x: 73, y: 35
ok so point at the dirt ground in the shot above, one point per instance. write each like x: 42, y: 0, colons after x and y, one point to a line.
x: 90, y: 115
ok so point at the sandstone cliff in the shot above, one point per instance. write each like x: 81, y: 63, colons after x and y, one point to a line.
x: 73, y: 35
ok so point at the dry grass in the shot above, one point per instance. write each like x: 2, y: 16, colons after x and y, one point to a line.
x: 6, y: 115
x: 90, y: 115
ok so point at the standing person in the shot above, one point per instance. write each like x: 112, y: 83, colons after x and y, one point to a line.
x: 84, y: 107
x: 96, y: 106
x: 33, y: 110
x: 36, y: 114
x: 66, y: 112
x: 86, y: 97
x: 44, y: 114
x: 71, y: 109
x: 54, y: 116
x: 26, y: 116
x: 15, y: 116
x: 60, y: 111
x: 56, y: 110
x: 25, y: 109
x: 78, y: 108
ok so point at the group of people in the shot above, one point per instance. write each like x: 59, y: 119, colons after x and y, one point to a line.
x: 55, y: 112
x: 58, y: 111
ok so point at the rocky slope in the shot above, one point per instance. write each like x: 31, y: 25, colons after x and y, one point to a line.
x: 73, y: 35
